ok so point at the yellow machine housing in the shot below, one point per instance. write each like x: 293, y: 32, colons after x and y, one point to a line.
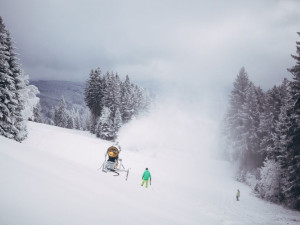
x: 113, y: 152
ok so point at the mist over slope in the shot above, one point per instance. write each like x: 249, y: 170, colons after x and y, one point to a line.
x: 171, y: 129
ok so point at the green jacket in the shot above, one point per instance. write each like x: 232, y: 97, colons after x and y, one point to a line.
x: 146, y: 175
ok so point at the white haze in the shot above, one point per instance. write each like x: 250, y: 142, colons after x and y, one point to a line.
x: 174, y: 127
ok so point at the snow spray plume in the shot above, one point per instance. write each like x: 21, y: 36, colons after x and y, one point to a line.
x: 170, y: 128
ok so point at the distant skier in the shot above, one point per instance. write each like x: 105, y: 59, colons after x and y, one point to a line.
x: 146, y: 176
x: 238, y: 195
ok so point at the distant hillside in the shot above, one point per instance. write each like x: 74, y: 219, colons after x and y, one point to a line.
x: 51, y: 92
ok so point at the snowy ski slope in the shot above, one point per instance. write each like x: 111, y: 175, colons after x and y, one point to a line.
x: 52, y: 179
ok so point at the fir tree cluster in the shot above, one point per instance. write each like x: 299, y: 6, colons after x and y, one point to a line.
x: 12, y: 87
x: 71, y: 119
x: 113, y: 103
x: 262, y: 135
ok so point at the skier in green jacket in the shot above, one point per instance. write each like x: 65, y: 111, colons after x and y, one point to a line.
x: 146, y: 176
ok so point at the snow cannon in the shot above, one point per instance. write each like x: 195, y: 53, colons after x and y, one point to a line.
x: 113, y: 163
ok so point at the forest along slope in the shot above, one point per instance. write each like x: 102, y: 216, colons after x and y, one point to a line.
x: 53, y: 178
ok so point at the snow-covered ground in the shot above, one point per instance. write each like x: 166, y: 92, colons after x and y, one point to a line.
x: 52, y: 179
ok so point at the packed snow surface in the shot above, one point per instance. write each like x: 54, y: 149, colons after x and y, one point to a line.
x: 52, y: 178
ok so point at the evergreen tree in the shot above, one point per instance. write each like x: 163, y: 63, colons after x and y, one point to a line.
x: 74, y: 120
x: 250, y: 157
x: 104, y: 128
x: 116, y: 93
x: 12, y: 122
x: 117, y: 122
x: 141, y: 100
x: 292, y: 154
x: 269, y: 119
x: 283, y: 123
x: 30, y: 99
x: 127, y: 103
x: 86, y: 120
x: 123, y: 99
x: 94, y: 96
x: 77, y: 120
x: 234, y: 123
x: 61, y: 114
x: 282, y: 138
x: 135, y: 99
x: 144, y: 100
x: 70, y: 120
x: 108, y: 92
x: 269, y: 184
x: 37, y: 113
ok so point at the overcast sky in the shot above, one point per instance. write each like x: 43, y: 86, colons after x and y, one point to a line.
x: 194, y: 44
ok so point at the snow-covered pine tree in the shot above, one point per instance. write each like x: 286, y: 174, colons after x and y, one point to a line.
x: 86, y: 120
x: 292, y: 157
x: 127, y: 104
x: 260, y: 98
x: 94, y: 96
x: 117, y: 123
x: 269, y: 184
x: 70, y: 119
x: 116, y: 91
x: 37, y: 113
x: 30, y: 99
x: 234, y: 124
x: 284, y: 121
x: 121, y: 98
x: 74, y: 121
x: 145, y: 100
x: 141, y: 100
x: 77, y: 119
x: 250, y: 157
x: 138, y: 100
x: 107, y: 99
x: 12, y: 123
x: 269, y: 118
x: 104, y: 128
x: 273, y: 129
x: 278, y: 154
x: 112, y: 92
x: 135, y: 99
x: 61, y: 114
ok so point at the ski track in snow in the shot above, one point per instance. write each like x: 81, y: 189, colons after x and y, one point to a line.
x: 52, y: 178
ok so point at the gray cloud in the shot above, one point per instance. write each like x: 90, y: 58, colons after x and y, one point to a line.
x: 196, y: 44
